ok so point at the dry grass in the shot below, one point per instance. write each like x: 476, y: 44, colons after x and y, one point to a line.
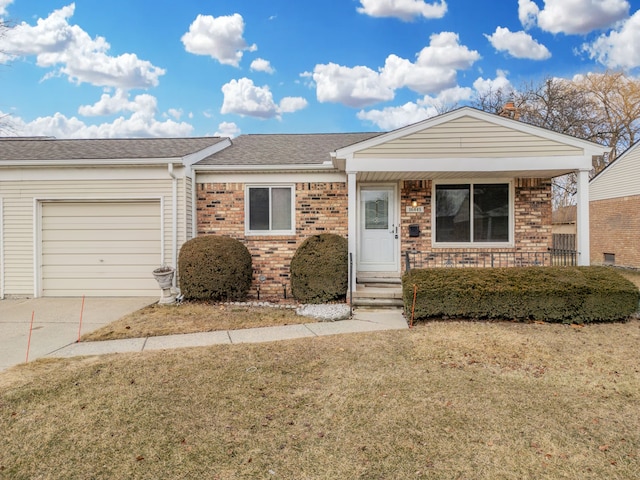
x: 447, y: 400
x: 157, y: 320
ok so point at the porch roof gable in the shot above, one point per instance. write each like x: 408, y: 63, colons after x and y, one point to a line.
x: 467, y: 142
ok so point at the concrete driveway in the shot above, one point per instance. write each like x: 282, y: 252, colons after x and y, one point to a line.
x: 56, y: 323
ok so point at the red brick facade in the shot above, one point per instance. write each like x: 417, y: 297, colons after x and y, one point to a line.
x: 532, y: 208
x: 615, y: 229
x: 322, y: 208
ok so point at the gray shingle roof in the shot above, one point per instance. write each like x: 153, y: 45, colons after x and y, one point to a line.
x: 93, y: 149
x: 284, y: 149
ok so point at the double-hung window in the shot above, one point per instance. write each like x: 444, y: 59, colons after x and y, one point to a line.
x: 269, y: 210
x: 473, y: 213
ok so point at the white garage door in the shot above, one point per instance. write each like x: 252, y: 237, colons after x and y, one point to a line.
x: 100, y: 248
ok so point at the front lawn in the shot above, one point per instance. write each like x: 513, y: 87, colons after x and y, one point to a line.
x: 475, y: 400
x: 192, y: 317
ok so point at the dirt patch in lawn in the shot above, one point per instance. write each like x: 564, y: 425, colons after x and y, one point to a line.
x: 443, y: 400
x: 189, y: 317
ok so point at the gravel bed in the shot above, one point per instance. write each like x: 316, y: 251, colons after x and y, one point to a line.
x: 328, y: 312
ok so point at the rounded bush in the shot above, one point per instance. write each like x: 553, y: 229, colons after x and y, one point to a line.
x: 320, y: 270
x: 214, y: 267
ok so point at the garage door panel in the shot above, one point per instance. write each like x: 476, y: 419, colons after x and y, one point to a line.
x: 100, y: 249
x: 93, y: 261
x: 103, y: 247
x: 106, y: 271
x: 78, y: 235
x: 53, y: 223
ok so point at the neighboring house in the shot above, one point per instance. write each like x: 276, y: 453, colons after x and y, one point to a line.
x: 467, y: 183
x: 94, y: 217
x: 564, y: 220
x: 615, y: 212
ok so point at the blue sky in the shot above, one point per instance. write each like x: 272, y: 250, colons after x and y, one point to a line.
x: 138, y: 68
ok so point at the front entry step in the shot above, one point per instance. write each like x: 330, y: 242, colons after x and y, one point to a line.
x: 378, y: 294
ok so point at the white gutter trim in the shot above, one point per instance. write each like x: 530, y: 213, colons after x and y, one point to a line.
x: 189, y: 160
x: 174, y: 220
x: 262, y: 168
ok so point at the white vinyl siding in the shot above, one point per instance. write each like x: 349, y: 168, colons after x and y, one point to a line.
x: 26, y: 190
x: 100, y: 248
x: 467, y: 137
x: 620, y: 179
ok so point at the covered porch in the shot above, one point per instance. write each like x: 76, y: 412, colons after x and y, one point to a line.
x: 466, y: 188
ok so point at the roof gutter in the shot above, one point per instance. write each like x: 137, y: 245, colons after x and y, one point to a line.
x: 328, y: 166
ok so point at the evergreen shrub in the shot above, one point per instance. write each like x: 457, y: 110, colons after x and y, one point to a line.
x: 214, y: 267
x: 552, y: 294
x: 319, y: 269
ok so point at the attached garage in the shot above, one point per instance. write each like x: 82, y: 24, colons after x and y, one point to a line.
x: 95, y: 217
x: 100, y: 248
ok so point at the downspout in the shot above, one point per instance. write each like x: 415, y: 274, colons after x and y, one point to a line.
x: 174, y: 220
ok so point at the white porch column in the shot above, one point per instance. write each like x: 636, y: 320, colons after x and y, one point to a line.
x: 582, y: 237
x: 352, y: 226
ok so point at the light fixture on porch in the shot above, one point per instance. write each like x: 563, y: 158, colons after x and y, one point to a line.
x: 414, y: 202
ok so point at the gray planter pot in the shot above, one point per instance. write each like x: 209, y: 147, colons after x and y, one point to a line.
x: 164, y: 276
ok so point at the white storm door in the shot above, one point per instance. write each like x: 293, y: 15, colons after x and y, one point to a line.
x: 378, y: 230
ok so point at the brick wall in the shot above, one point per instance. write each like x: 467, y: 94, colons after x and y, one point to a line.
x: 614, y: 226
x: 532, y: 206
x: 321, y: 207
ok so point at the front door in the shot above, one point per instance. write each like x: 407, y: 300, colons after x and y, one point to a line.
x: 378, y: 230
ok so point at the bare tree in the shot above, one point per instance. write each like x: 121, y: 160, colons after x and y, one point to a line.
x: 600, y: 107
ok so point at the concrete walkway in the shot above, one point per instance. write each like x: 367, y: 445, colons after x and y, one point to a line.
x: 364, y: 320
x: 56, y: 323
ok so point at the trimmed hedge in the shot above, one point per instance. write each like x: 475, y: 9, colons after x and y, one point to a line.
x: 320, y: 270
x: 552, y: 294
x: 214, y: 267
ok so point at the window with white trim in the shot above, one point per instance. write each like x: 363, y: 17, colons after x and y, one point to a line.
x: 470, y: 213
x: 269, y: 210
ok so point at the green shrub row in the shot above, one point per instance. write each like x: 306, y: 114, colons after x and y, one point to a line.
x: 319, y: 269
x: 552, y: 294
x: 215, y: 267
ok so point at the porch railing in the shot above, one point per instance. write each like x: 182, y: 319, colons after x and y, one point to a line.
x: 553, y: 257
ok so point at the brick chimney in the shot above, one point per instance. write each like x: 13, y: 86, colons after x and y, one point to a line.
x: 509, y: 110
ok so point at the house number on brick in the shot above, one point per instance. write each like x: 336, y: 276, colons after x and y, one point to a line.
x: 415, y: 209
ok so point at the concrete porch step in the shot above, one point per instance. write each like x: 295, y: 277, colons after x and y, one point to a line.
x: 378, y: 295
x: 377, y: 302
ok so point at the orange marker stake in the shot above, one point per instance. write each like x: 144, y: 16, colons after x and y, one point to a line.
x: 81, y: 312
x: 33, y: 314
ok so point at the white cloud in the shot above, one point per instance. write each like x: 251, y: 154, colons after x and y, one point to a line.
x: 175, y: 113
x: 518, y: 44
x: 403, y: 9
x: 434, y: 70
x: 3, y: 6
x: 618, y: 49
x: 218, y: 37
x: 528, y: 13
x: 572, y: 16
x: 227, y: 129
x: 391, y: 118
x: 501, y: 82
x: 292, y: 104
x: 139, y: 124
x: 55, y: 42
x: 262, y: 65
x: 244, y: 98
x: 119, y: 102
x: 356, y: 87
